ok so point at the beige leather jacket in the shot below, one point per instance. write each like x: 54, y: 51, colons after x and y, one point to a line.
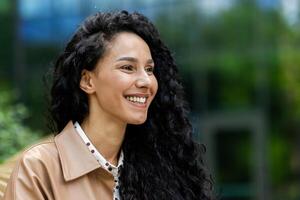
x: 62, y: 169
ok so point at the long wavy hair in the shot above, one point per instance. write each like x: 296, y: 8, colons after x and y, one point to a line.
x: 161, y: 160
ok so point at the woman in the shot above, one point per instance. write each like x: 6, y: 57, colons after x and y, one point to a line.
x: 112, y: 143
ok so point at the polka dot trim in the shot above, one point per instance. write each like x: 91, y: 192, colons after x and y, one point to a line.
x: 114, y: 170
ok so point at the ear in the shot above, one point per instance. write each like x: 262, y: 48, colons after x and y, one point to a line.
x: 86, y: 82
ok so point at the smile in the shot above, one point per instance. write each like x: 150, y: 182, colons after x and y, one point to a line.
x: 135, y: 99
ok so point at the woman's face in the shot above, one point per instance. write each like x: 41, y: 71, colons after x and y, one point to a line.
x: 123, y: 79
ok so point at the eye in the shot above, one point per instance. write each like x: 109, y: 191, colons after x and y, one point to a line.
x: 127, y: 67
x: 149, y: 70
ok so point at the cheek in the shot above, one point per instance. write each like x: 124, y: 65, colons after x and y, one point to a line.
x: 154, y: 85
x: 114, y: 80
x: 116, y: 85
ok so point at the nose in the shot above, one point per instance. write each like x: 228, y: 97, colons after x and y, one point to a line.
x: 143, y: 80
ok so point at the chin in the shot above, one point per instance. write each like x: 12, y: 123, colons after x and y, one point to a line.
x: 137, y: 121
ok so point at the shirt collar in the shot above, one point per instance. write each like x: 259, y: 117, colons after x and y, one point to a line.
x: 110, y: 168
x: 76, y: 159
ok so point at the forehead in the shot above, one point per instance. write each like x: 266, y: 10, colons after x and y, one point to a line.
x: 127, y: 44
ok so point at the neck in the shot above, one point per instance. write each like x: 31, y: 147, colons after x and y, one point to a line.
x: 106, y: 135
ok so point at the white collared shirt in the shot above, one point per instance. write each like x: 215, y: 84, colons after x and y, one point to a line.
x: 114, y: 170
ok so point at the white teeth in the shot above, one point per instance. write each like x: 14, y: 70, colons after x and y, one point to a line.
x: 135, y: 99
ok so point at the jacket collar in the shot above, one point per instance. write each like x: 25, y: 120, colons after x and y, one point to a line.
x: 75, y: 158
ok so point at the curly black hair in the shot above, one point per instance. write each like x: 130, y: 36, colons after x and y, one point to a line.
x: 161, y: 160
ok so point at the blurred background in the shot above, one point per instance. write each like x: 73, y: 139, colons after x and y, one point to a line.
x: 239, y: 60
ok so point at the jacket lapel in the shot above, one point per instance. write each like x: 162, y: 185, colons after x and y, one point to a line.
x: 76, y: 160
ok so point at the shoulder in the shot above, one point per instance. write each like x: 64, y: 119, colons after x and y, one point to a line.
x: 46, y: 147
x: 30, y: 174
x: 38, y: 157
x: 41, y: 152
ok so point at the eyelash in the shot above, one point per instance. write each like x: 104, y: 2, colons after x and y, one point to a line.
x: 151, y: 69
x: 129, y: 67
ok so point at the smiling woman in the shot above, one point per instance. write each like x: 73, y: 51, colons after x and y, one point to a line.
x: 122, y: 85
x: 121, y: 126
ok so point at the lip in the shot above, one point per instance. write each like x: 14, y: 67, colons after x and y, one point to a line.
x: 138, y: 94
x: 143, y: 106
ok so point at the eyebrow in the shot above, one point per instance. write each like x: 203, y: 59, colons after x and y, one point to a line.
x: 132, y: 59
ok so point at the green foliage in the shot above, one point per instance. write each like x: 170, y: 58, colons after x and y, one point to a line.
x: 243, y: 58
x: 290, y: 79
x: 14, y: 135
x: 279, y: 153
